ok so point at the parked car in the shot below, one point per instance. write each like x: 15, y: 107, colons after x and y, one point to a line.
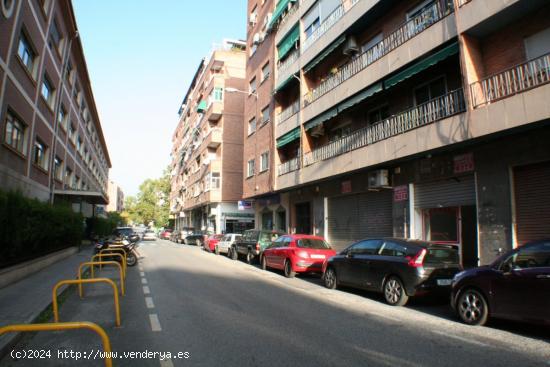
x: 165, y: 235
x: 140, y: 231
x: 223, y: 246
x: 515, y: 286
x: 123, y: 231
x: 184, y: 232
x: 252, y: 243
x: 149, y: 235
x: 211, y: 241
x: 297, y: 254
x: 395, y: 267
x: 195, y: 239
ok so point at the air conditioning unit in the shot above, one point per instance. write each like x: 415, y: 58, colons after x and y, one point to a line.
x: 378, y: 179
x: 253, y: 19
x: 256, y: 39
x: 350, y: 46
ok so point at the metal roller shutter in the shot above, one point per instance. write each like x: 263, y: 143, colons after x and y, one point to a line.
x: 443, y: 194
x: 532, y: 195
x: 353, y: 217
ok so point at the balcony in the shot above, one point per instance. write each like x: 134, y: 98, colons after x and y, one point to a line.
x: 288, y: 119
x: 215, y: 111
x: 515, y: 80
x: 288, y: 166
x: 289, y: 20
x: 399, y: 36
x: 214, y: 138
x: 287, y: 67
x: 472, y: 13
x: 421, y: 115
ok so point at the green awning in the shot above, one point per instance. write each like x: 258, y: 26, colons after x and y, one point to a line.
x: 284, y: 83
x: 360, y: 97
x: 327, y: 115
x: 289, y: 137
x: 279, y: 9
x: 287, y: 43
x: 327, y: 51
x: 201, y: 107
x: 422, y: 65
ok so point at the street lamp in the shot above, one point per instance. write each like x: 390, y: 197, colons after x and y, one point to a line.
x: 235, y: 90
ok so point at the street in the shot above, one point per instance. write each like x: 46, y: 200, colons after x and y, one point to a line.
x: 216, y: 311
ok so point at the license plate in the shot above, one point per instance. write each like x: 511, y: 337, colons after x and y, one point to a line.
x: 444, y: 281
x: 316, y: 256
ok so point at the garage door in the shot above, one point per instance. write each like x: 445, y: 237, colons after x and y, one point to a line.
x: 457, y: 191
x: 358, y: 216
x: 532, y: 195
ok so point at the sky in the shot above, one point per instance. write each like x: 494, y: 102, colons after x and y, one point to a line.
x: 141, y: 56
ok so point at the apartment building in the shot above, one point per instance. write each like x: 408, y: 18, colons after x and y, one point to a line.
x: 52, y: 145
x: 116, y: 197
x: 207, y: 151
x: 423, y: 119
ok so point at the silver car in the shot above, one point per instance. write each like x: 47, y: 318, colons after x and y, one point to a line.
x: 225, y: 243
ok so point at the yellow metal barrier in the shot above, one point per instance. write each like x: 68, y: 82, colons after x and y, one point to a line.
x: 92, y: 265
x: 100, y: 256
x: 66, y: 326
x: 86, y: 281
x: 121, y: 251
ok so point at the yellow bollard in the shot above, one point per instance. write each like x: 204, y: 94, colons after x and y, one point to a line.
x: 121, y: 251
x: 85, y: 281
x: 100, y: 256
x: 92, y: 264
x: 65, y: 326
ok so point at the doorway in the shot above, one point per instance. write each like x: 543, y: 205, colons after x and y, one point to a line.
x: 303, y: 218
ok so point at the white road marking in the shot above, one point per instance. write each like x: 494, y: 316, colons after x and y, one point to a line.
x: 460, y: 338
x: 155, y: 323
x: 166, y: 363
x: 149, y: 302
x: 143, y: 281
x: 142, y: 274
x: 146, y: 290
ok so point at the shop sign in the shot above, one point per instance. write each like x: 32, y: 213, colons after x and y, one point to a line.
x: 346, y: 187
x: 400, y: 193
x: 464, y: 163
x: 243, y: 205
x: 269, y: 200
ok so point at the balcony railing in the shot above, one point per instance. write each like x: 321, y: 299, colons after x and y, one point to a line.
x: 289, y: 166
x: 288, y: 112
x: 331, y: 20
x: 285, y: 64
x: 512, y: 81
x: 421, y: 115
x: 290, y: 11
x: 432, y: 14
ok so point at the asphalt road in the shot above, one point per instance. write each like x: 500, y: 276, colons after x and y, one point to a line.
x: 219, y: 312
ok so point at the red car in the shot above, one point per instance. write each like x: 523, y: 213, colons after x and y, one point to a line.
x: 298, y: 253
x: 165, y: 235
x: 211, y: 241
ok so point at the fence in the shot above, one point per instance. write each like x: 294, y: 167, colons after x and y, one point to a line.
x: 288, y: 112
x: 289, y: 166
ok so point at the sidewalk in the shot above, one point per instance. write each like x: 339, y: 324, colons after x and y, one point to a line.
x: 23, y: 301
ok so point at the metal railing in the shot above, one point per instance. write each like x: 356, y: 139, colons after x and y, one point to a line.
x: 520, y: 78
x: 288, y: 112
x: 291, y: 59
x: 331, y: 20
x: 289, y: 166
x: 289, y: 13
x: 431, y: 15
x: 436, y: 109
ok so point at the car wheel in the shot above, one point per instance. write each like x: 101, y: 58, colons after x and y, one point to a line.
x: 264, y: 263
x: 131, y: 258
x: 234, y: 254
x: 249, y: 257
x: 216, y: 250
x: 289, y: 273
x: 331, y: 281
x: 394, y: 292
x: 472, y: 307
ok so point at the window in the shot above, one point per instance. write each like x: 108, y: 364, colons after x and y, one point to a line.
x: 39, y: 156
x: 68, y: 176
x: 72, y: 133
x: 441, y: 224
x: 26, y: 53
x: 78, y: 144
x: 47, y: 91
x: 392, y: 249
x: 312, y: 27
x: 76, y: 183
x: 265, y: 115
x: 58, y: 168
x: 252, y: 126
x: 14, y: 134
x: 253, y: 49
x: 339, y: 132
x: 54, y: 41
x: 536, y: 256
x: 252, y: 88
x: 218, y: 94
x: 215, y: 181
x: 250, y: 168
x: 378, y: 114
x: 264, y: 162
x: 435, y: 88
x: 265, y: 71
x: 62, y: 117
x: 369, y: 247
x: 70, y: 72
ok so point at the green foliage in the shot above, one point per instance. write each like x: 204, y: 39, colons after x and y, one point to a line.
x: 30, y: 228
x: 152, y: 203
x: 103, y: 227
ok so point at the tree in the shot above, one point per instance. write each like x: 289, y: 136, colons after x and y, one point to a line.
x: 152, y: 203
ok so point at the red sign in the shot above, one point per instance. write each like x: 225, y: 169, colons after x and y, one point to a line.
x: 346, y: 187
x: 464, y: 163
x: 400, y: 193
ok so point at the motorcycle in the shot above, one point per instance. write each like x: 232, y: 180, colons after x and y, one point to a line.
x: 127, y: 244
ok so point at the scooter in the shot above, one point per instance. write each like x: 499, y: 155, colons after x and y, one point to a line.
x: 127, y: 244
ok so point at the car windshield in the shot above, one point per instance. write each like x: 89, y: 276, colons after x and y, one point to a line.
x: 312, y: 243
x: 123, y: 232
x: 266, y: 236
x: 442, y: 255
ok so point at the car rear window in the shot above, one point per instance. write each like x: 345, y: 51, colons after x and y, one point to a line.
x: 312, y: 243
x: 438, y: 255
x: 266, y: 236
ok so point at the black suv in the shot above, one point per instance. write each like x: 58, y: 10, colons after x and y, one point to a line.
x: 252, y: 243
x: 395, y: 267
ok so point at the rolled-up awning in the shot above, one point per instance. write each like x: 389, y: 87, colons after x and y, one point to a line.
x: 288, y: 137
x: 279, y: 9
x: 327, y: 115
x: 353, y: 100
x: 284, y: 83
x: 327, y: 51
